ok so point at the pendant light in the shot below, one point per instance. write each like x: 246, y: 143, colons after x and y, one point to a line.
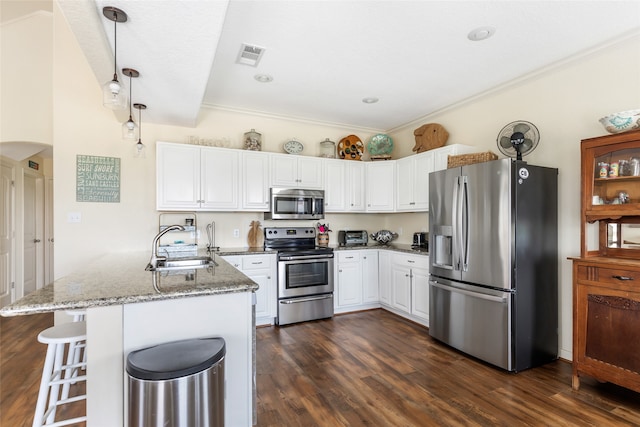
x: 140, y: 146
x: 113, y: 96
x: 130, y: 128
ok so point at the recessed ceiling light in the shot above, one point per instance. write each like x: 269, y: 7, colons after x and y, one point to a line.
x: 370, y: 100
x: 263, y: 78
x: 481, y: 33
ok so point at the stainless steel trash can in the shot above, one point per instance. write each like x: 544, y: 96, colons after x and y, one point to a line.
x: 177, y: 384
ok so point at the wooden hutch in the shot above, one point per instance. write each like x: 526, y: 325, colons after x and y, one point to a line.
x: 606, y: 276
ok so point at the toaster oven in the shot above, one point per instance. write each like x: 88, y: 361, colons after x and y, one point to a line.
x: 353, y: 238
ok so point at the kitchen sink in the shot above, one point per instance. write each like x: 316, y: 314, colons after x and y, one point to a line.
x: 182, y: 263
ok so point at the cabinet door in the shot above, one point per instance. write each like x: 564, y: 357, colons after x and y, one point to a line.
x: 349, y: 284
x: 355, y: 186
x: 177, y: 176
x: 220, y: 174
x: 401, y: 288
x: 255, y: 181
x: 420, y: 293
x: 310, y: 172
x: 405, y: 173
x: 284, y: 170
x: 335, y: 186
x: 380, y: 186
x: 424, y: 165
x: 370, y: 291
x: 384, y: 276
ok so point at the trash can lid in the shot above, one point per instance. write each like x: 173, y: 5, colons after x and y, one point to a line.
x: 175, y: 359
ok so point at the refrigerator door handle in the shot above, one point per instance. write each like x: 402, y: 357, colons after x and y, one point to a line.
x: 455, y: 260
x: 469, y: 293
x: 465, y: 223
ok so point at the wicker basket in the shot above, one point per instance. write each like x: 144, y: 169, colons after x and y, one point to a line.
x: 469, y: 159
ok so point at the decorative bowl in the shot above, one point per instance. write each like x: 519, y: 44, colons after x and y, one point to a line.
x: 384, y: 236
x: 622, y: 122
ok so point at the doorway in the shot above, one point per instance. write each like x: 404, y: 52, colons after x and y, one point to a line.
x: 7, y: 231
x: 33, y: 233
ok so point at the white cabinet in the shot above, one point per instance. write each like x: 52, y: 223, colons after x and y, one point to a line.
x: 344, y: 186
x: 356, y: 280
x: 380, y: 188
x: 412, y: 185
x: 262, y: 270
x: 370, y: 282
x: 196, y: 178
x: 349, y: 279
x: 441, y: 155
x: 384, y: 277
x: 409, y: 293
x: 296, y: 171
x: 255, y: 181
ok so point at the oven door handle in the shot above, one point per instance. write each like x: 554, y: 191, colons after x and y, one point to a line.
x: 297, y: 257
x: 296, y: 300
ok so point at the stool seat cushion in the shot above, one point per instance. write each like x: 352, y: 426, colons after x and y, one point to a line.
x: 64, y: 333
x: 175, y: 359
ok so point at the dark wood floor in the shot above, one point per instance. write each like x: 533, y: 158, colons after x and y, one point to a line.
x: 363, y: 369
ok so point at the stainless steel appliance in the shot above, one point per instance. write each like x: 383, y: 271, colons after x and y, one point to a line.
x: 295, y: 203
x: 420, y: 240
x: 305, y: 274
x: 353, y: 238
x: 493, y: 240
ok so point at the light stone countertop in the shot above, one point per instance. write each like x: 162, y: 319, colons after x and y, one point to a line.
x: 120, y: 278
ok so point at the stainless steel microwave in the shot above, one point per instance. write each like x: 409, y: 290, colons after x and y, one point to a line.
x: 295, y: 203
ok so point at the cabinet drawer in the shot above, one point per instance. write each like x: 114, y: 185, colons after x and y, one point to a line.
x: 412, y: 261
x: 254, y: 262
x: 616, y: 276
x: 348, y: 256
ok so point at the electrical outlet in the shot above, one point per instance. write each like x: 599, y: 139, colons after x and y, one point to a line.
x: 236, y: 232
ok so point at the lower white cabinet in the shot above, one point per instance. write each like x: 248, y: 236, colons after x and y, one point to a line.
x: 404, y: 285
x: 356, y: 279
x: 262, y: 270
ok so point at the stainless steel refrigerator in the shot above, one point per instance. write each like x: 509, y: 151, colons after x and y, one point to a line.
x: 493, y: 239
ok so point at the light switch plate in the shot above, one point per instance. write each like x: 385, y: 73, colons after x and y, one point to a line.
x: 74, y: 217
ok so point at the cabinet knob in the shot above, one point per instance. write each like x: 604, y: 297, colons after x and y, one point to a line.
x: 36, y: 240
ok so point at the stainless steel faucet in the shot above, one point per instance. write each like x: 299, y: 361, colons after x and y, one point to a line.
x: 153, y: 262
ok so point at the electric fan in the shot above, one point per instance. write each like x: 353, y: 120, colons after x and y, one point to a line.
x: 518, y: 139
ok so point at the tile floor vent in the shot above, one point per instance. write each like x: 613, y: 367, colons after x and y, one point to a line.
x: 250, y: 54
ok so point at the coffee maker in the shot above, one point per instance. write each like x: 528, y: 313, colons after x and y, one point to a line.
x: 420, y: 241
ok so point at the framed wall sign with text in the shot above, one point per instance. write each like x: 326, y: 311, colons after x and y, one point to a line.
x: 97, y: 179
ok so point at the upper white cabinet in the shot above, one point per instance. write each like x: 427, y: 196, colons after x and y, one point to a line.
x: 412, y: 190
x: 380, y: 186
x: 441, y: 155
x: 255, y: 181
x: 344, y: 187
x: 296, y: 171
x: 196, y: 178
x: 412, y: 174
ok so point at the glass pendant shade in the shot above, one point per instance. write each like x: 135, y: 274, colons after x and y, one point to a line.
x: 139, y: 147
x: 130, y: 130
x: 113, y: 96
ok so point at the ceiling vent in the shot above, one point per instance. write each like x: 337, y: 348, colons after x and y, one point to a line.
x: 250, y: 54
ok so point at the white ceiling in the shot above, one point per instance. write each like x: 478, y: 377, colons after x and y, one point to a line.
x: 326, y: 56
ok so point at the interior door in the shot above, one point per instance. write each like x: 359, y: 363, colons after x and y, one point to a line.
x: 7, y: 206
x: 33, y: 233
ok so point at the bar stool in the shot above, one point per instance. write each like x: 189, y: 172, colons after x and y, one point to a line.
x: 79, y: 347
x: 55, y: 373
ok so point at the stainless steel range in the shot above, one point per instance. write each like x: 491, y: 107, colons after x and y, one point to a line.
x: 305, y: 274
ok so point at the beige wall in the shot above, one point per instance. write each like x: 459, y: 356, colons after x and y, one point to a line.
x: 564, y: 102
x: 25, y: 82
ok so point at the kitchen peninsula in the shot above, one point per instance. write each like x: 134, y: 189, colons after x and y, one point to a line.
x: 129, y: 308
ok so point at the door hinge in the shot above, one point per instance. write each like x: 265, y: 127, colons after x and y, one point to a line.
x: 13, y: 285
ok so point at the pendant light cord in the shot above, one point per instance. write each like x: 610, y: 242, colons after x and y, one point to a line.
x: 115, y: 46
